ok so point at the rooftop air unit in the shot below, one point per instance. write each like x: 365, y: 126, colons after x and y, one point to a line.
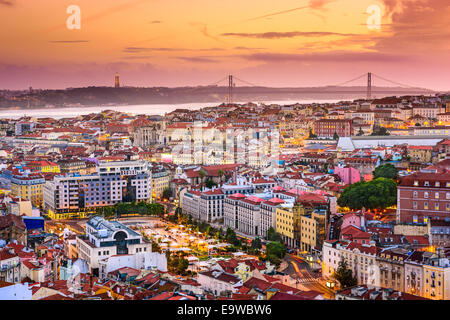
x: 103, y: 233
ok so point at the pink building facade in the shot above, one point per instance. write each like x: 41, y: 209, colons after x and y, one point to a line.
x: 348, y: 174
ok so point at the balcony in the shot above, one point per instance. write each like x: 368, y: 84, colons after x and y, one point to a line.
x: 7, y: 267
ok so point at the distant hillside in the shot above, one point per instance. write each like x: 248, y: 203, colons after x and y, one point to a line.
x: 95, y: 96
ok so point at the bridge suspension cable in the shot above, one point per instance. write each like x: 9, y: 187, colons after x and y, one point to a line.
x: 246, y: 82
x: 347, y: 82
x: 393, y: 82
x: 217, y: 82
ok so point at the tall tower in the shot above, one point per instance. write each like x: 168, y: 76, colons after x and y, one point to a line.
x: 117, y: 81
x: 230, y: 90
x: 369, y: 86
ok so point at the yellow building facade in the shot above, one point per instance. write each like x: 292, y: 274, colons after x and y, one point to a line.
x: 29, y: 188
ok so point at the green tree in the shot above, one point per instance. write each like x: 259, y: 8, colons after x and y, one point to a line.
x: 155, y: 246
x: 344, y: 275
x: 379, y: 131
x: 167, y: 193
x: 209, y: 184
x: 221, y: 174
x: 360, y: 132
x: 272, y: 235
x: 202, y: 175
x: 256, y: 243
x: 182, y: 265
x: 376, y: 194
x: 231, y: 237
x: 335, y: 136
x: 385, y: 171
x: 275, y: 252
x: 312, y: 135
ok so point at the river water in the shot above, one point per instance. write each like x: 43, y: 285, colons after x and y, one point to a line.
x: 149, y: 109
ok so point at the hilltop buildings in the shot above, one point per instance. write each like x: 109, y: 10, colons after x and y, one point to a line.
x: 250, y: 168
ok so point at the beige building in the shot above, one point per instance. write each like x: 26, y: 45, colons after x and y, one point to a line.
x: 412, y: 229
x: 20, y: 207
x: 312, y: 230
x: 287, y: 222
x: 362, y: 260
x: 392, y: 270
x: 437, y: 280
x: 160, y: 181
x: 420, y: 154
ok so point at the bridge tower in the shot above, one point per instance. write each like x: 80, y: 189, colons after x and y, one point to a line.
x: 230, y: 89
x: 117, y: 81
x: 369, y: 86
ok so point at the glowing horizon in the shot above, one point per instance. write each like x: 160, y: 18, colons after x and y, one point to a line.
x: 171, y: 43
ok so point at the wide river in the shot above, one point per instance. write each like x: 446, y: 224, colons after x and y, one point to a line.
x: 149, y: 109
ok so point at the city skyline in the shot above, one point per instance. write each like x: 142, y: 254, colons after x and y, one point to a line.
x: 291, y: 44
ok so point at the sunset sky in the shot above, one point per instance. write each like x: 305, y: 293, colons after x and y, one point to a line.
x: 198, y: 42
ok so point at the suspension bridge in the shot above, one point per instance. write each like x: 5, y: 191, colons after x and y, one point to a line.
x: 400, y: 88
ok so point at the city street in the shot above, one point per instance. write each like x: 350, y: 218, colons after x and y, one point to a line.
x: 306, y: 276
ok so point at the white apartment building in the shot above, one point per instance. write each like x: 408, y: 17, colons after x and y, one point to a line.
x: 104, y: 239
x: 114, y: 182
x: 331, y: 256
x: 9, y: 266
x: 142, y: 260
x: 211, y: 205
x: 230, y: 210
x: 190, y: 203
x: 367, y: 116
x: 219, y: 283
x: 268, y: 215
x: 429, y: 112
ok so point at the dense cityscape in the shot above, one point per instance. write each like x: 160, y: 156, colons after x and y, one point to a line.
x: 224, y: 159
x: 316, y: 201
